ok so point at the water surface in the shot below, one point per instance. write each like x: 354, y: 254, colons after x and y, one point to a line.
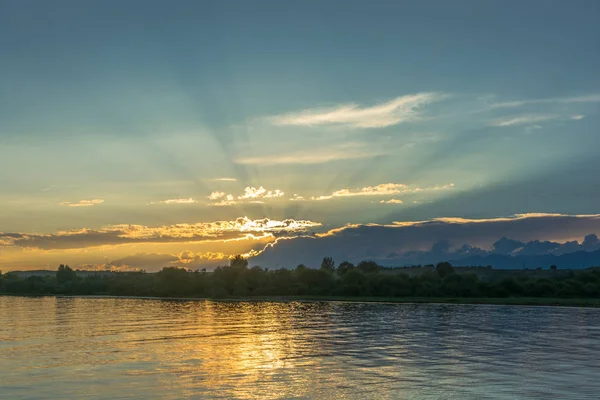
x: 91, y: 348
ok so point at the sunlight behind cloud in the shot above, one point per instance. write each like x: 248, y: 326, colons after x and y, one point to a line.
x: 250, y: 195
x: 260, y: 193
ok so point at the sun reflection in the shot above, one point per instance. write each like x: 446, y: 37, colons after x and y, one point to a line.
x: 214, y: 346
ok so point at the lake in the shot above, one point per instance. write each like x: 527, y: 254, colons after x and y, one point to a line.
x: 126, y: 348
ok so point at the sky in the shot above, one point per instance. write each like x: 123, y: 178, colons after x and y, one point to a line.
x: 144, y: 134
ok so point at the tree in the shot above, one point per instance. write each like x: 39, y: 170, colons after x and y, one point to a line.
x: 553, y: 267
x: 444, y: 269
x: 315, y: 281
x: 174, y: 281
x: 65, y: 274
x: 238, y: 261
x: 344, y: 267
x: 368, y: 266
x: 328, y: 264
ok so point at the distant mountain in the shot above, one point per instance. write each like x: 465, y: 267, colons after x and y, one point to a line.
x: 576, y: 260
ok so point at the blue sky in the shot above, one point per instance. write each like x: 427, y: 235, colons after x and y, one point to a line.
x: 160, y: 113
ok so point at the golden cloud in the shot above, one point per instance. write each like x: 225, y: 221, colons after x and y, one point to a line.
x: 83, y: 203
x: 384, y: 189
x: 239, y: 228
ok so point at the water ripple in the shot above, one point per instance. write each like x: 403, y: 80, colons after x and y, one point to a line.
x: 95, y: 348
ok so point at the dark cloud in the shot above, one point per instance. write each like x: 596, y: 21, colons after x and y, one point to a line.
x: 442, y: 239
x: 590, y: 242
x: 507, y: 246
x: 149, y: 261
x: 539, y: 247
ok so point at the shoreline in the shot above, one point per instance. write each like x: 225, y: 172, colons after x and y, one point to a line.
x: 506, y: 301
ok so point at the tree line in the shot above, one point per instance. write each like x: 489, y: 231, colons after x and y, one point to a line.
x: 366, y: 278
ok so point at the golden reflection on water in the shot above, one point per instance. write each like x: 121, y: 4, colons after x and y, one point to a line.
x: 107, y: 348
x: 239, y: 345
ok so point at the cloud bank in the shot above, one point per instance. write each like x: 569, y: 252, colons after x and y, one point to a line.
x: 403, y: 243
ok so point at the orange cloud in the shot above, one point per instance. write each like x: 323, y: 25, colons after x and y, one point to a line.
x: 239, y: 228
x: 83, y: 203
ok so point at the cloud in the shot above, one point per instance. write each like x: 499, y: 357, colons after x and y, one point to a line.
x: 391, y: 201
x: 226, y: 200
x: 216, y: 195
x: 188, y: 256
x: 523, y: 120
x: 592, y: 98
x: 189, y: 200
x: 384, y: 189
x: 379, y: 190
x: 240, y: 228
x: 251, y: 195
x: 191, y: 260
x: 393, y: 112
x: 437, y: 239
x: 83, y: 203
x: 260, y: 193
x: 577, y: 117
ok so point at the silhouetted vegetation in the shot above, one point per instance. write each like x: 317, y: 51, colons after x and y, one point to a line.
x: 367, y: 279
